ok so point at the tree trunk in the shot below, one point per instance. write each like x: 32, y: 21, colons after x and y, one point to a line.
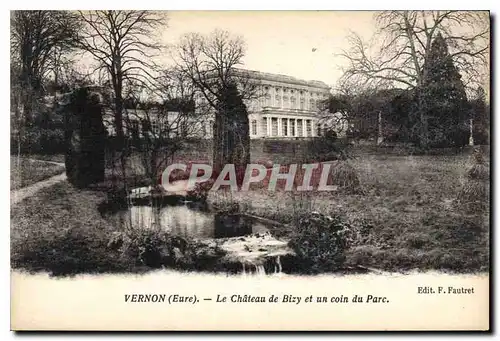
x: 85, y: 134
x: 231, y: 144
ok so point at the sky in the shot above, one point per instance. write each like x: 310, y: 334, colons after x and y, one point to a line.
x: 281, y: 42
x: 303, y: 44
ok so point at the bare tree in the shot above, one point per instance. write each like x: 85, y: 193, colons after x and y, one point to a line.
x: 398, y: 50
x: 160, y: 129
x: 397, y: 53
x: 211, y: 62
x: 38, y: 40
x: 124, y: 45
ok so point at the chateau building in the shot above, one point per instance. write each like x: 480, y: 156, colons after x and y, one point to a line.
x: 284, y: 108
x: 287, y: 107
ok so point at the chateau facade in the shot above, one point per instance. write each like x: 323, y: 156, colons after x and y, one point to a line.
x: 287, y: 107
x: 284, y: 108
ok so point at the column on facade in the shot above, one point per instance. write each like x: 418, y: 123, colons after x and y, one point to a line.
x: 288, y: 127
x: 268, y: 125
x: 304, y: 127
x: 279, y: 127
x: 295, y: 129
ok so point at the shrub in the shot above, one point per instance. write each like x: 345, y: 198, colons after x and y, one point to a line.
x: 200, y: 190
x: 479, y: 171
x: 326, y: 148
x: 346, y: 177
x: 151, y: 248
x: 418, y: 240
x: 474, y: 193
x: 320, y: 242
x: 36, y: 140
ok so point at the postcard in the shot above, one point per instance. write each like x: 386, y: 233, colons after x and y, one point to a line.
x: 250, y: 170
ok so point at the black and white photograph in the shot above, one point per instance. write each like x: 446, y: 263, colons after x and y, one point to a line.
x: 276, y: 170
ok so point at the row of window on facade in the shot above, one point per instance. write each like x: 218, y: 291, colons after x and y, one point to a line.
x: 286, y: 102
x: 285, y: 91
x: 290, y: 99
x: 138, y: 128
x: 286, y: 127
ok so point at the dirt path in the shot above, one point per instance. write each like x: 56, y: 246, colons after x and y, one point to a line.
x: 47, y: 161
x: 24, y: 192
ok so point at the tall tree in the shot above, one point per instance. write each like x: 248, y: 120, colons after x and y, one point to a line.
x: 442, y: 95
x: 39, y: 39
x: 211, y: 64
x: 161, y: 129
x: 403, y: 42
x: 232, y: 132
x: 124, y: 44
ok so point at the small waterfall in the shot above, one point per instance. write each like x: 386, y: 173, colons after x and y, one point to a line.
x: 260, y: 270
x: 278, y: 268
x: 253, y: 269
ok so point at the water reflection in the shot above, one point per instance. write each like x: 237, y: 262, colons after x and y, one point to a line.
x: 188, y: 221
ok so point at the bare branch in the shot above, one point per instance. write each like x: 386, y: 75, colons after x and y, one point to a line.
x: 404, y: 38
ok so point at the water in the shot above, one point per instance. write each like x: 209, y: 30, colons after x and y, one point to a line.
x: 187, y: 221
x: 245, y: 240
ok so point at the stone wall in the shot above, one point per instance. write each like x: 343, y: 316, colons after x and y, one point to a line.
x: 285, y: 151
x: 278, y: 151
x: 289, y: 151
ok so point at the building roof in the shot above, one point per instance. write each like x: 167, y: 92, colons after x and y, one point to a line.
x: 283, y: 78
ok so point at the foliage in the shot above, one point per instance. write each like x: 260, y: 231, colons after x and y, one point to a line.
x: 480, y: 114
x: 345, y: 176
x: 160, y: 130
x: 320, y: 242
x: 396, y: 54
x: 397, y: 121
x: 85, y: 138
x: 474, y: 194
x: 326, y: 148
x: 38, y: 39
x: 200, y: 191
x: 150, y: 247
x: 35, y: 140
x: 210, y: 62
x: 401, y: 54
x: 123, y: 44
x: 339, y: 103
x: 231, y: 132
x: 443, y: 101
x: 362, y: 109
x: 41, y: 42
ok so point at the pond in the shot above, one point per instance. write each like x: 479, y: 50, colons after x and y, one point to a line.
x: 188, y: 220
x: 221, y: 241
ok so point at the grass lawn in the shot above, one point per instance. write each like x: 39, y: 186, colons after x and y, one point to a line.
x: 407, y: 211
x: 60, y: 230
x: 24, y: 171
